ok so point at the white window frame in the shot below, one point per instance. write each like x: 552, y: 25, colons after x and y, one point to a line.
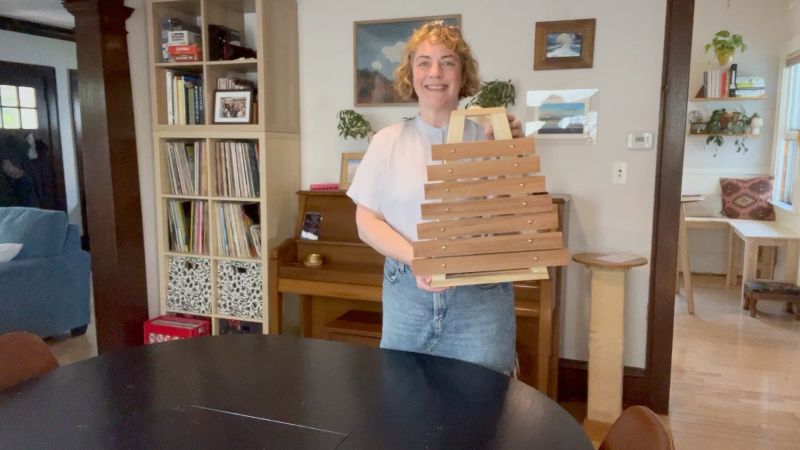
x: 782, y: 107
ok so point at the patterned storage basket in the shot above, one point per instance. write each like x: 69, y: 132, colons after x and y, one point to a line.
x: 239, y: 289
x: 189, y: 286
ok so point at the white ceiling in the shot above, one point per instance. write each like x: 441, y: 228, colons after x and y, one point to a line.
x: 49, y: 12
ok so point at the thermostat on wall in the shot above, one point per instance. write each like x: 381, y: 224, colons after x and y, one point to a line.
x: 640, y: 139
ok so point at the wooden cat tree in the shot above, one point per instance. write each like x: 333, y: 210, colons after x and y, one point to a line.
x: 493, y: 217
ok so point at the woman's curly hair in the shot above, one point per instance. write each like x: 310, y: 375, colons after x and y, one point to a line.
x: 450, y: 37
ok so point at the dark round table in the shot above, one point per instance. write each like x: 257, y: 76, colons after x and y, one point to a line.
x: 257, y: 391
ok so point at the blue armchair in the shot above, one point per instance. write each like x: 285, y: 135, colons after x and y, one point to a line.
x: 45, y: 288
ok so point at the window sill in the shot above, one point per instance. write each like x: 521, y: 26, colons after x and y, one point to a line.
x: 784, y: 206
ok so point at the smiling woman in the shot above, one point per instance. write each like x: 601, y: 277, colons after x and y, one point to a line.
x: 471, y: 323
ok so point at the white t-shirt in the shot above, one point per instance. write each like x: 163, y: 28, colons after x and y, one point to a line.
x: 391, y: 178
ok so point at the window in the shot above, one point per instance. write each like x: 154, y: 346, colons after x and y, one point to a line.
x: 787, y: 136
x: 18, y: 108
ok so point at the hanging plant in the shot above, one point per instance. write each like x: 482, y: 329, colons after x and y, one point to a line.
x: 494, y: 93
x: 353, y: 125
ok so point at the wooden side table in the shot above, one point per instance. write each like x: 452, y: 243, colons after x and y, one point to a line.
x: 606, y: 332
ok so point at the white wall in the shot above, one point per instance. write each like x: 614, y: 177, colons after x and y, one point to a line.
x: 59, y: 54
x: 627, y: 72
x: 792, y: 18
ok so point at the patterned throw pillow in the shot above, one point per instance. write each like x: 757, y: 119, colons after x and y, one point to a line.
x: 747, y: 198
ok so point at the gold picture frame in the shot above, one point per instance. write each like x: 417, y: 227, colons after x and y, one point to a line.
x: 350, y: 163
x: 564, y: 44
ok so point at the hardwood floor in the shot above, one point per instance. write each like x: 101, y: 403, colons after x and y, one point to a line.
x: 735, y: 379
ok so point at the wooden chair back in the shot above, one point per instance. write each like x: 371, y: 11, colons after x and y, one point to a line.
x: 638, y: 428
x: 23, y: 356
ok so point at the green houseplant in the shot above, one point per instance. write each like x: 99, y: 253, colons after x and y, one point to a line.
x: 725, y: 44
x: 353, y: 125
x: 494, y: 93
x: 735, y: 124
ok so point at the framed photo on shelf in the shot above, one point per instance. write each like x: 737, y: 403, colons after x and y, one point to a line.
x: 233, y: 106
x: 564, y: 44
x: 378, y: 47
x: 311, y: 222
x: 350, y: 162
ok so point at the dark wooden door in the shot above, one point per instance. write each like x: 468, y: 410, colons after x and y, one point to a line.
x: 31, y: 168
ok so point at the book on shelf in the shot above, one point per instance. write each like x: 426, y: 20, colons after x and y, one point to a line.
x: 188, y: 232
x: 237, y: 172
x: 233, y: 84
x: 720, y: 83
x: 234, y: 222
x: 255, y: 236
x: 186, y: 166
x: 185, y: 95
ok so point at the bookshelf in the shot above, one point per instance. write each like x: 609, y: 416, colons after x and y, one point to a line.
x: 225, y: 192
x: 727, y: 99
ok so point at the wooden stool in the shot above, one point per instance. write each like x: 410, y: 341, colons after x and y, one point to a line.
x: 755, y: 290
x: 356, y: 327
x: 606, y: 332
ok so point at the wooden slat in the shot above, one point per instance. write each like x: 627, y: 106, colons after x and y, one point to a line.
x: 493, y: 262
x: 479, y: 112
x: 488, y: 206
x: 500, y: 224
x: 490, y: 168
x: 534, y: 273
x: 455, y: 189
x: 490, y: 244
x: 482, y: 149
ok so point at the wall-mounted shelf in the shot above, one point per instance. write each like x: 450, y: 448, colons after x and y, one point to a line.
x: 726, y: 99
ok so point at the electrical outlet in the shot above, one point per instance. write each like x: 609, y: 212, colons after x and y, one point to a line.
x: 620, y: 175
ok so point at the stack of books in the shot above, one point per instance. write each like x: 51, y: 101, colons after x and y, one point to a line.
x: 234, y: 84
x: 750, y: 87
x: 181, y: 40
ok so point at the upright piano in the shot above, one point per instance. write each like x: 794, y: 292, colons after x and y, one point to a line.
x: 351, y: 278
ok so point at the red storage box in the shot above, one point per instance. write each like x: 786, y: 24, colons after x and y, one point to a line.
x: 170, y: 328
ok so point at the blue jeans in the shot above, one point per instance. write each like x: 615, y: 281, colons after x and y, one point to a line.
x: 470, y: 323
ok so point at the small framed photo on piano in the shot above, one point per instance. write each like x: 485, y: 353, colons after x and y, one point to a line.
x: 311, y: 223
x: 350, y: 162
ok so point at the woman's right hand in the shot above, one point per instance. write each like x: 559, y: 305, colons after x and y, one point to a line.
x: 424, y: 283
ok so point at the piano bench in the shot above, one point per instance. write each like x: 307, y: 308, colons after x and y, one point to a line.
x: 356, y: 327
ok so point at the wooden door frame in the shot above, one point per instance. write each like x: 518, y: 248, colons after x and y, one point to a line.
x: 48, y: 74
x: 666, y: 209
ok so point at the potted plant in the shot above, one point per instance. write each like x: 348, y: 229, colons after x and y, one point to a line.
x: 494, y: 93
x: 353, y: 125
x: 735, y: 124
x: 725, y: 44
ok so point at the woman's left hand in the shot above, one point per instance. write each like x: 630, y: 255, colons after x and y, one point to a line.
x: 513, y: 123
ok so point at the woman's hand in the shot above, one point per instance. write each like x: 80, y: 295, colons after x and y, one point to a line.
x: 513, y: 123
x: 424, y: 283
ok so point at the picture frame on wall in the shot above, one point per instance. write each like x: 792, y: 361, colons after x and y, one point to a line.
x: 564, y: 44
x: 377, y: 48
x: 233, y: 106
x: 350, y: 163
x: 562, y: 114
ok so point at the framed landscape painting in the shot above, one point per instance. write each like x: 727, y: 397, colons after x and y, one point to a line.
x: 378, y: 46
x: 564, y: 44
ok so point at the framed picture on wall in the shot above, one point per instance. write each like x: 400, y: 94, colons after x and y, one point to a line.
x: 378, y: 46
x: 350, y: 162
x: 561, y: 114
x: 564, y: 44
